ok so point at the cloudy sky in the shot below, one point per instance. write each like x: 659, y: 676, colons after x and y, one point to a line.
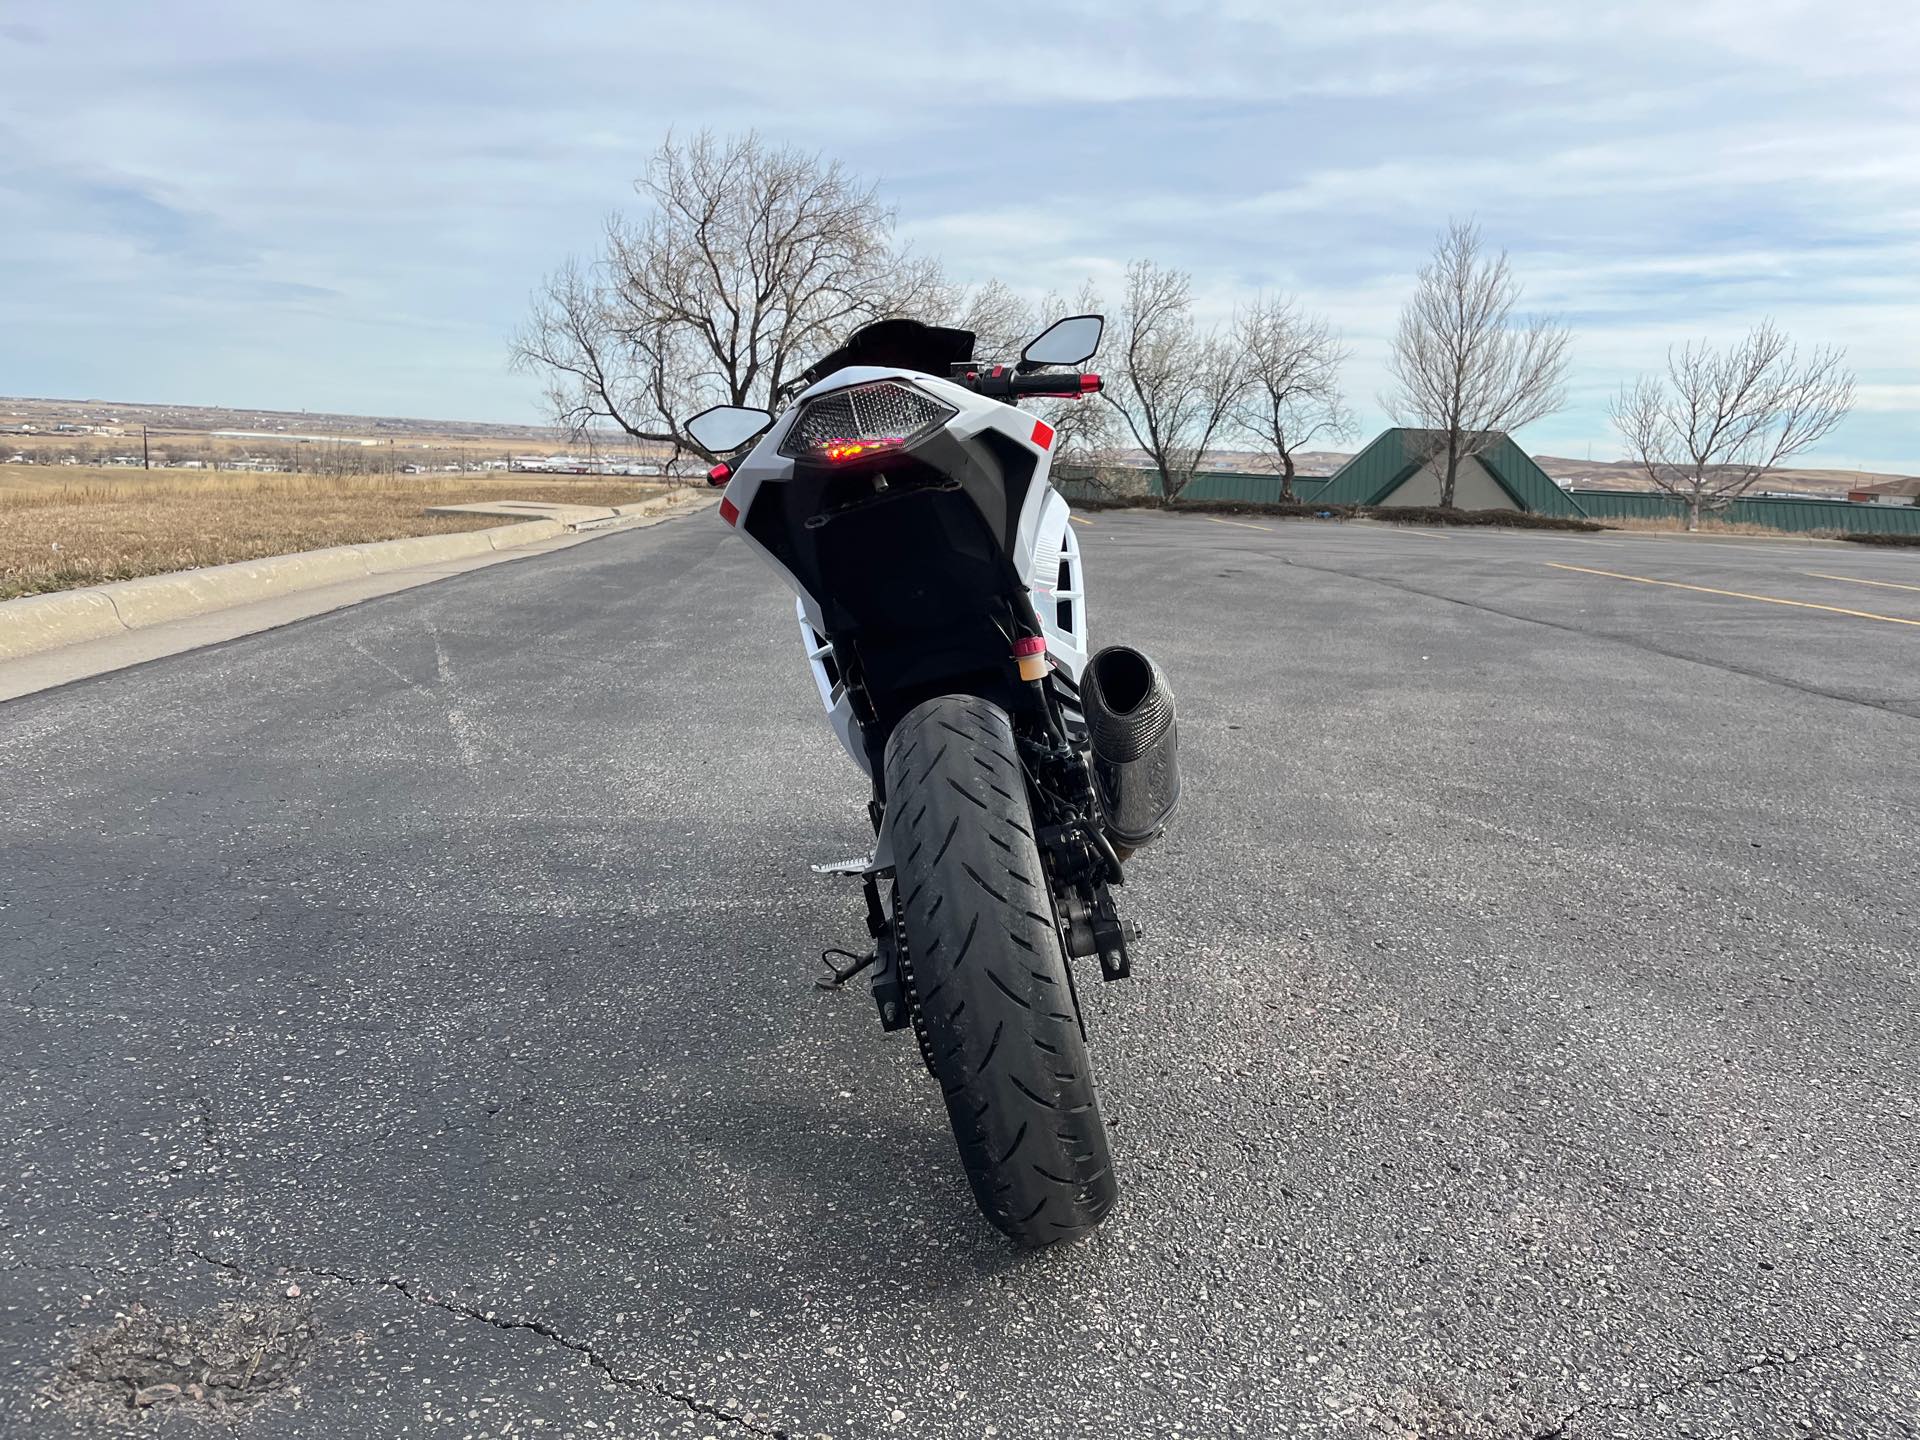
x: 344, y: 207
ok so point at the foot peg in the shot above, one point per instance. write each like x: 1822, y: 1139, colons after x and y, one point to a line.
x: 856, y: 865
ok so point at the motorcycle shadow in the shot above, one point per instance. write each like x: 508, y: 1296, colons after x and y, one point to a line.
x: 863, y: 1181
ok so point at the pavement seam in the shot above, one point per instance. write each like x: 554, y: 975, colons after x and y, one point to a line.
x: 419, y: 1295
x: 1730, y: 594
x: 1781, y: 1359
x: 1631, y: 644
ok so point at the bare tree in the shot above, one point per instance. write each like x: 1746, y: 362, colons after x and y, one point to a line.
x: 1720, y: 420
x: 748, y: 263
x: 1173, y: 384
x: 1089, y: 437
x: 1292, y: 396
x: 1087, y: 434
x: 1001, y: 321
x: 1467, y: 371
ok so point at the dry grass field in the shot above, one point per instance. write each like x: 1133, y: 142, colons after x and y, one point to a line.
x: 62, y: 526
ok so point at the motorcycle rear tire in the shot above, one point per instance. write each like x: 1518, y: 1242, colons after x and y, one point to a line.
x: 990, y: 977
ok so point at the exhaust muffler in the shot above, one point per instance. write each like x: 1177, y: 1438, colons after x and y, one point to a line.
x: 1129, y: 713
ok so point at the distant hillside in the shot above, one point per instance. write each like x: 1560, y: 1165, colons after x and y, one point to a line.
x: 1247, y: 462
x: 1585, y: 474
x: 70, y: 422
x: 116, y: 416
x: 1624, y: 475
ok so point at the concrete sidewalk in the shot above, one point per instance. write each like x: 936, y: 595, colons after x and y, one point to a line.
x: 49, y: 640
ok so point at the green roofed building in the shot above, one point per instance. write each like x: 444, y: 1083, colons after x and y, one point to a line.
x: 1395, y: 470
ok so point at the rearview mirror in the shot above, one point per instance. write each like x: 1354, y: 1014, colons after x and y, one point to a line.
x: 1071, y: 341
x: 721, y: 428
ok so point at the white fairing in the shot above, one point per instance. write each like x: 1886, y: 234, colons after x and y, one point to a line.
x: 1046, y: 549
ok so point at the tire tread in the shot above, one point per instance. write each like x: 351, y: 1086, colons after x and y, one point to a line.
x: 1004, y: 1051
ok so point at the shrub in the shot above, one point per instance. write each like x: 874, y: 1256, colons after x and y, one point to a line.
x: 1513, y: 519
x: 1883, y: 539
x: 1288, y: 509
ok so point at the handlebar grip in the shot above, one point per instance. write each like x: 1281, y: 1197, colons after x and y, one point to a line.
x: 1000, y: 383
x: 1061, y: 386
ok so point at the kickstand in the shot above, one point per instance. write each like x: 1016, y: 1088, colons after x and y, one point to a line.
x: 840, y: 976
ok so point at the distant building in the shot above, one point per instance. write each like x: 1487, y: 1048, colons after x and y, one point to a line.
x: 1397, y: 470
x: 1891, y: 492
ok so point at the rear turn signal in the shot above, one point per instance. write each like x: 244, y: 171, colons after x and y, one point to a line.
x: 1030, y: 651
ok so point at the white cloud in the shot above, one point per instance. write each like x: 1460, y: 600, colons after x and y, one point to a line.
x: 393, y: 179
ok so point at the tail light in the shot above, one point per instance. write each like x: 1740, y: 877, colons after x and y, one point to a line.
x: 863, y: 421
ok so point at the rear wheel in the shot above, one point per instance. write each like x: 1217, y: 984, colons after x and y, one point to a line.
x: 990, y: 977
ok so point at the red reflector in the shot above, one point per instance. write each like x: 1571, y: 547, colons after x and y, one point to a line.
x: 1042, y: 434
x: 1029, y: 645
x: 729, y: 511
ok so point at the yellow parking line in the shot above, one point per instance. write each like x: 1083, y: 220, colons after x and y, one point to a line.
x: 1857, y: 580
x: 1737, y: 594
x: 1241, y: 523
x: 1078, y: 521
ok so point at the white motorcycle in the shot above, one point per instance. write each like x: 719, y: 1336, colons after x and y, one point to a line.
x: 942, y: 605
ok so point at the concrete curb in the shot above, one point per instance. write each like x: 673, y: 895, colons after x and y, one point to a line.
x: 34, y: 624
x: 43, y: 622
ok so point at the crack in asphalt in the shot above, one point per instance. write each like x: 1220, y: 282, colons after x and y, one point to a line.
x: 423, y: 1297
x: 210, y: 1138
x: 1706, y: 1379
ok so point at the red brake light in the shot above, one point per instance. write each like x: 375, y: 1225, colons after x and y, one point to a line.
x: 841, y: 449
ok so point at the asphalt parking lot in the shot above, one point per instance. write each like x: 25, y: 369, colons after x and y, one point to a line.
x: 420, y: 997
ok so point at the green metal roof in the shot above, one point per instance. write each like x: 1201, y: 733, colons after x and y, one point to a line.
x: 1396, y: 455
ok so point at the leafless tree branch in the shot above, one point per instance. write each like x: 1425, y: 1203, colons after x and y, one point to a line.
x: 1292, y: 396
x: 747, y: 262
x: 1176, y: 386
x: 1467, y: 370
x: 1720, y: 420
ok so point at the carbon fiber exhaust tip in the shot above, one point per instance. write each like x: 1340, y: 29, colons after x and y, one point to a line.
x: 1129, y: 713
